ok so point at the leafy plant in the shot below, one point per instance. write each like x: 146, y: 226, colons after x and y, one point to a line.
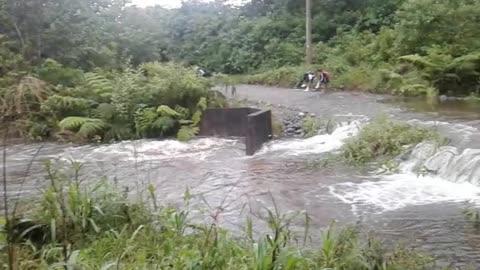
x: 83, y: 126
x: 64, y: 106
x: 152, y: 122
x: 187, y: 132
x: 99, y: 84
x: 384, y: 138
x: 311, y: 126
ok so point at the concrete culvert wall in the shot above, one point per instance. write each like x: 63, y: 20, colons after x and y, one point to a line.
x: 253, y: 124
x: 259, y: 130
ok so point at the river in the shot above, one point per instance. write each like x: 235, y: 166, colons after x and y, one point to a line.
x: 423, y: 211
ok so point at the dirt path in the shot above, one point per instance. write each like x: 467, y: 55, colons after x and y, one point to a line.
x: 325, y: 105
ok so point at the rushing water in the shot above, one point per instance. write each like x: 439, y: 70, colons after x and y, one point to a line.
x: 425, y: 211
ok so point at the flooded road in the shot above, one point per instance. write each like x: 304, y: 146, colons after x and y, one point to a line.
x: 424, y: 211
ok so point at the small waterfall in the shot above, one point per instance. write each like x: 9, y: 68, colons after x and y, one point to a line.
x: 429, y: 174
x: 448, y: 163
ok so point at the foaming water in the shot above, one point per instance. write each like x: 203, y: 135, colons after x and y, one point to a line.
x: 145, y: 150
x: 394, y: 192
x: 460, y: 133
x: 314, y: 145
x: 430, y: 175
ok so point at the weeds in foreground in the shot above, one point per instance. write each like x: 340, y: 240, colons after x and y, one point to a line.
x: 97, y: 227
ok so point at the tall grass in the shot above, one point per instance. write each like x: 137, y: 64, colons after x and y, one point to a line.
x: 79, y: 226
x: 385, y: 138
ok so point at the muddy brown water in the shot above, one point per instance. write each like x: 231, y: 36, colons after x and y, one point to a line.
x: 424, y: 212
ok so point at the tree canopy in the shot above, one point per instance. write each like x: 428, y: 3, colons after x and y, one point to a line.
x: 257, y: 36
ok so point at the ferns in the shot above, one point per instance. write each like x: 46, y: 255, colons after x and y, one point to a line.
x: 99, y: 83
x: 105, y: 111
x: 163, y: 124
x: 117, y: 106
x: 85, y: 127
x: 187, y: 132
x: 202, y: 104
x: 418, y: 60
x: 447, y: 72
x: 164, y: 110
x: 63, y: 106
x: 152, y: 123
x: 190, y: 128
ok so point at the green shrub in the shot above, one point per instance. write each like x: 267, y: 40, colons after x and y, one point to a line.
x: 111, y: 105
x: 384, y: 138
x: 56, y: 74
x: 311, y: 126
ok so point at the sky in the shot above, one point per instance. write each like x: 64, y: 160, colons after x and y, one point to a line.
x: 165, y: 3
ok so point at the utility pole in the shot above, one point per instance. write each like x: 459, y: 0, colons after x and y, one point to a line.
x: 308, y: 28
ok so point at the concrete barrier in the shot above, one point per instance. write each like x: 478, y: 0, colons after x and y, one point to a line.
x: 253, y: 124
x: 259, y: 130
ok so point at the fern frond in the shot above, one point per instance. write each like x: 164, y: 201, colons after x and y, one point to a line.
x: 73, y: 122
x: 202, y: 104
x: 99, y: 83
x: 118, y: 132
x: 105, y: 111
x: 196, y: 118
x: 92, y: 127
x: 418, y: 60
x: 465, y: 62
x: 164, y: 124
x: 184, y: 112
x: 186, y: 122
x: 145, y: 118
x: 84, y: 126
x: 467, y: 65
x: 187, y: 132
x: 164, y: 110
x: 60, y: 104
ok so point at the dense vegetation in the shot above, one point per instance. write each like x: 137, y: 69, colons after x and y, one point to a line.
x: 68, y: 104
x: 74, y: 226
x: 69, y: 71
x: 407, y: 47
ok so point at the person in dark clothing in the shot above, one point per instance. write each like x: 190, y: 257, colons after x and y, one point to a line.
x: 323, y: 78
x: 204, y: 73
x: 307, y: 81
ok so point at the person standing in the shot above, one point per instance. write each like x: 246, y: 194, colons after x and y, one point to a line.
x: 323, y: 78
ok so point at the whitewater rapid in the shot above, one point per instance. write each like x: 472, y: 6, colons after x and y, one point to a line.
x: 453, y: 174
